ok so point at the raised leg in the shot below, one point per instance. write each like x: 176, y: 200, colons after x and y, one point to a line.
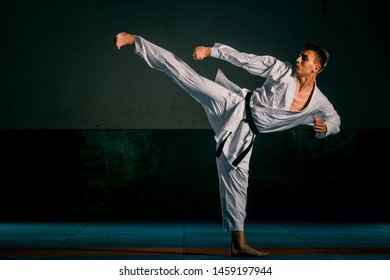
x: 214, y: 98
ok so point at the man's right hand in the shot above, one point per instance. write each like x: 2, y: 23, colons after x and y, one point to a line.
x: 122, y: 39
x: 201, y: 52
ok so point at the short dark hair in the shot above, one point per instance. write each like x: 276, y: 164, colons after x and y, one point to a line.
x: 322, y: 53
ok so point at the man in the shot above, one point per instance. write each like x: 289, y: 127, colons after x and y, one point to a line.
x: 288, y: 98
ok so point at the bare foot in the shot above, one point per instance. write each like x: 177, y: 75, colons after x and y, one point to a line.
x: 122, y: 39
x: 247, y: 251
x: 239, y: 248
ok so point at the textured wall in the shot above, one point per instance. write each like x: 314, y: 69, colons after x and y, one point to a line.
x: 171, y: 174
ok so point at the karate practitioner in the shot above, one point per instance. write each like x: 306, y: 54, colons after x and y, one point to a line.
x: 288, y: 98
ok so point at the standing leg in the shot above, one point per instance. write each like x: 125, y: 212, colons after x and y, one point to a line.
x: 233, y: 185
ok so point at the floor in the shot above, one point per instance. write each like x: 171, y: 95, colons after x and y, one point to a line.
x: 191, y: 240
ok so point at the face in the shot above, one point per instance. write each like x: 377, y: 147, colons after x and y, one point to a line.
x: 306, y: 64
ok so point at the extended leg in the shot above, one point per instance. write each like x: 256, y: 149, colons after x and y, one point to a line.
x: 214, y: 98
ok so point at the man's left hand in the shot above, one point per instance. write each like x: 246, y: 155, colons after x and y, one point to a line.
x: 319, y: 125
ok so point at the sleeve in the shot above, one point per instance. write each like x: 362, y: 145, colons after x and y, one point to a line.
x: 264, y: 66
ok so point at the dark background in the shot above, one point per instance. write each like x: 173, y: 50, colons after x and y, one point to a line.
x: 59, y: 69
x: 91, y: 133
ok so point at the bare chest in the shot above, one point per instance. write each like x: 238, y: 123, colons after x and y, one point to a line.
x: 301, y: 99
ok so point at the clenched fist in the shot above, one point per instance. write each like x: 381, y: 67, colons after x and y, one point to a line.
x: 201, y: 52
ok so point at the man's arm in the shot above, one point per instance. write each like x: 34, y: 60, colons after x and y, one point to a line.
x: 265, y: 66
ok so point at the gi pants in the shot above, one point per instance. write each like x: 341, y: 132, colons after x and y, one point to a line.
x: 218, y: 103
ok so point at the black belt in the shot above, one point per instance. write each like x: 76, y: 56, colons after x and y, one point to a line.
x: 252, y: 126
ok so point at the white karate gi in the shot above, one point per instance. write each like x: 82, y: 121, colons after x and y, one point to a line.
x: 224, y: 104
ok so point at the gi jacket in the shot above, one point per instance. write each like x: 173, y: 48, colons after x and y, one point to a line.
x: 269, y: 104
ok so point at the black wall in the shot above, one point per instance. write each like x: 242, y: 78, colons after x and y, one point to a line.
x: 171, y: 174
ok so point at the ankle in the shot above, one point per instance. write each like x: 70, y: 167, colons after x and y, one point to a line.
x: 238, y: 236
